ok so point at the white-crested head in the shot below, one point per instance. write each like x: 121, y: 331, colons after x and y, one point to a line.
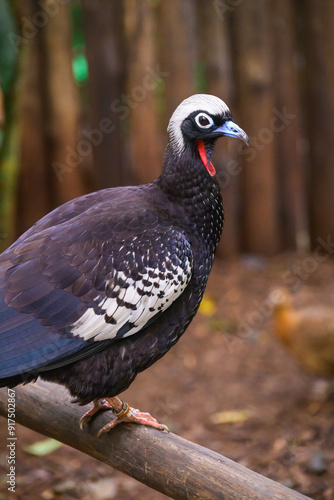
x: 199, y: 102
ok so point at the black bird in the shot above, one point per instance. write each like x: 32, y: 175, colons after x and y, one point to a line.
x: 102, y: 287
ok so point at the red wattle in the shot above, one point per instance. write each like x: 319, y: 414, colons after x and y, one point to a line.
x: 208, y: 165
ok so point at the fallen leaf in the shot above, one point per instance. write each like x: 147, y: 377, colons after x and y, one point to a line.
x: 223, y: 325
x: 230, y: 416
x: 207, y: 307
x: 44, y: 447
x: 103, y: 489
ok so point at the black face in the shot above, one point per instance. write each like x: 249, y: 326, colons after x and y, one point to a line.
x: 202, y: 125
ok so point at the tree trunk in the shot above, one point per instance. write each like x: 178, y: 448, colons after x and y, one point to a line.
x: 174, y: 21
x: 253, y: 43
x: 62, y: 102
x: 33, y: 181
x: 105, y: 43
x: 319, y: 51
x: 214, y: 57
x: 147, y: 150
x: 287, y: 138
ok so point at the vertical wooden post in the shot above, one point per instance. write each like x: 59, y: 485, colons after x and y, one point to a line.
x: 253, y: 43
x: 9, y: 152
x: 62, y: 100
x: 147, y: 150
x: 291, y: 175
x: 105, y: 50
x: 319, y: 103
x: 176, y: 50
x: 214, y: 56
x: 26, y: 133
x: 33, y: 181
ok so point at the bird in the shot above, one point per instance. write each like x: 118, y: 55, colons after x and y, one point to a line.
x: 103, y: 286
x: 308, y: 333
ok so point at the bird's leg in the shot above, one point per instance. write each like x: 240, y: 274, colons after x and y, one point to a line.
x: 99, y: 404
x: 124, y: 413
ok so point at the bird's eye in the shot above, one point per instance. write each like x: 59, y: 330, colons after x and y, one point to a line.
x: 203, y: 120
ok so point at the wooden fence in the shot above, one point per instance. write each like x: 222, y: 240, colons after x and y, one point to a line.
x: 271, y: 61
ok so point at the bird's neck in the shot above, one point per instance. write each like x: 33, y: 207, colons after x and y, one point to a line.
x: 185, y: 181
x: 184, y: 175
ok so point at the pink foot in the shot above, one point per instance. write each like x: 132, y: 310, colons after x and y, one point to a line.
x: 123, y: 413
x: 129, y: 414
x: 99, y: 404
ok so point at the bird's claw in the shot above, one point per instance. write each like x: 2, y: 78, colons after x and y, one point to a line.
x: 99, y: 404
x: 128, y: 414
x: 123, y: 413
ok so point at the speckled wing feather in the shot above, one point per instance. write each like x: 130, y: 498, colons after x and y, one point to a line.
x: 85, y: 276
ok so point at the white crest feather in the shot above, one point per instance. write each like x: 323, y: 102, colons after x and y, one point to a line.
x: 198, y: 102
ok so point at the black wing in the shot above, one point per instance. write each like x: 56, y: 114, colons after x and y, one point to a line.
x: 95, y: 270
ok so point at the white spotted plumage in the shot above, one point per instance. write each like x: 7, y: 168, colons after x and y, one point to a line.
x: 147, y: 301
x: 198, y: 102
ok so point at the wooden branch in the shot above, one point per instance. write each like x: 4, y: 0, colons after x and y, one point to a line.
x: 163, y: 461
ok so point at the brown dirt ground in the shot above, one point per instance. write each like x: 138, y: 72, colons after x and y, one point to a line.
x: 227, y: 360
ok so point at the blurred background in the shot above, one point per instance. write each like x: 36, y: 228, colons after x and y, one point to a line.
x: 89, y: 86
x: 87, y: 89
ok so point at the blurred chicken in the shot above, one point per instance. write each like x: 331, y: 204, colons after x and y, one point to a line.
x: 308, y: 333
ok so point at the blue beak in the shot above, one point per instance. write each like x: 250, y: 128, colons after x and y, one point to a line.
x: 231, y: 129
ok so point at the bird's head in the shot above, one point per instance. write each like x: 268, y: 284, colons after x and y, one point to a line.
x: 198, y: 122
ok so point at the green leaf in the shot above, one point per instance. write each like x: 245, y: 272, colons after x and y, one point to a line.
x: 80, y: 68
x: 44, y: 447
